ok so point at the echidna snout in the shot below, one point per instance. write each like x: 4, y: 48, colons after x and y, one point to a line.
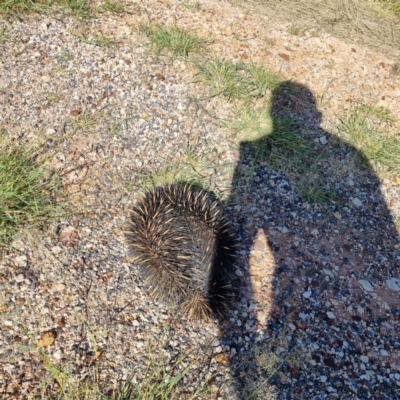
x: 181, y: 240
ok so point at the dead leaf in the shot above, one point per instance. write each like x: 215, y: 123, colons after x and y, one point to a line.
x: 284, y: 56
x: 46, y: 339
x: 3, y: 307
x: 293, y: 314
x: 222, y: 358
x: 76, y: 32
x: 68, y: 236
x: 301, y: 324
x: 337, y: 215
x: 99, y: 354
x: 75, y: 113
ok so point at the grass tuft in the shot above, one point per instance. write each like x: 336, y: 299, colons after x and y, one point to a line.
x: 191, y: 6
x: 84, y: 121
x: 26, y: 191
x: 261, y: 80
x: 236, y: 81
x: 175, y: 40
x: 270, y: 138
x: 113, y: 6
x: 224, y: 78
x: 173, y: 172
x: 79, y: 8
x: 361, y: 129
x: 313, y: 191
x: 391, y: 5
x: 395, y: 70
x: 295, y: 30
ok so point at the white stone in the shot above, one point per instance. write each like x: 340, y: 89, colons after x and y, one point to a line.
x: 51, y: 131
x: 393, y: 284
x: 360, y: 310
x: 21, y: 261
x: 56, y: 249
x: 366, y: 285
x: 57, y: 355
x: 307, y: 294
x: 19, y: 278
x: 285, y: 230
x: 8, y: 323
x: 233, y: 352
x: 330, y: 315
x: 218, y: 349
x: 323, y: 378
x: 303, y: 316
x: 323, y: 140
x: 314, y: 232
x: 384, y: 352
x: 357, y: 202
x: 364, y: 359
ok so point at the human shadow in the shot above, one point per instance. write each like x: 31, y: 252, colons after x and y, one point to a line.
x: 318, y: 245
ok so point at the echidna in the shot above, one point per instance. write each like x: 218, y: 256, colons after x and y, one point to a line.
x: 181, y: 240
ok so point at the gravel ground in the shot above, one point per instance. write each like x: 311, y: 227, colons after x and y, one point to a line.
x: 318, y: 287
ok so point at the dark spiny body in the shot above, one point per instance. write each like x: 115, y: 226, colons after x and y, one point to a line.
x: 180, y: 238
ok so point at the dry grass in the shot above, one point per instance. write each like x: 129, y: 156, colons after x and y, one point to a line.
x: 392, y: 6
x: 374, y: 23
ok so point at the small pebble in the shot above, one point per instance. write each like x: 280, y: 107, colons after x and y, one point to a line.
x: 366, y: 285
x: 323, y: 140
x: 56, y: 249
x: 330, y: 315
x: 218, y: 349
x: 393, y: 284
